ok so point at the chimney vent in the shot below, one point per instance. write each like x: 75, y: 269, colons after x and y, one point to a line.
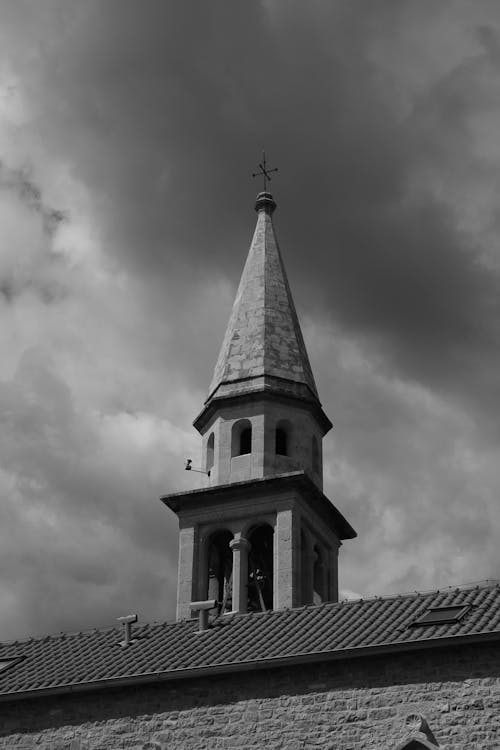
x: 127, y: 622
x: 203, y: 609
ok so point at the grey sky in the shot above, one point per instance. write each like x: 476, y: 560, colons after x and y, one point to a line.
x: 128, y: 135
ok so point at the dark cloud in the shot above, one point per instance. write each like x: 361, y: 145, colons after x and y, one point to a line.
x: 77, y: 517
x: 141, y: 127
x: 163, y: 114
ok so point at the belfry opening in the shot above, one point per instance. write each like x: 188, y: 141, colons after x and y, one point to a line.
x: 260, y: 569
x: 220, y: 568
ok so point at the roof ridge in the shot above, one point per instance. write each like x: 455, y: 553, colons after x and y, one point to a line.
x: 60, y: 634
x: 139, y: 626
x: 487, y: 584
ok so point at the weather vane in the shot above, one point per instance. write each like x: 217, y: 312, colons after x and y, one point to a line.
x: 264, y: 171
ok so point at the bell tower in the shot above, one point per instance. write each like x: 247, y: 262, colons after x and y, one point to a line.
x: 261, y: 535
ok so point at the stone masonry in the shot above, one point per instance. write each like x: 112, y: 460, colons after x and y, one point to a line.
x: 356, y: 704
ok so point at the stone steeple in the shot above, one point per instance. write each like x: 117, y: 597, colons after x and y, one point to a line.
x: 261, y: 534
x: 263, y: 344
x: 263, y: 348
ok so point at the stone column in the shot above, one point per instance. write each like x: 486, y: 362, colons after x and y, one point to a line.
x: 187, y: 553
x: 286, y: 560
x: 241, y: 548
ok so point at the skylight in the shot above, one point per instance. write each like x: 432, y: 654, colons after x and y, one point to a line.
x: 441, y: 615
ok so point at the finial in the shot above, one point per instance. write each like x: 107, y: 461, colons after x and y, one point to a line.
x: 264, y: 171
x: 265, y: 201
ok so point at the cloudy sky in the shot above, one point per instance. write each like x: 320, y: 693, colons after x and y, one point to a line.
x: 128, y: 134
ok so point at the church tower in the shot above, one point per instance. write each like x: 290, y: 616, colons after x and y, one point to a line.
x: 261, y: 535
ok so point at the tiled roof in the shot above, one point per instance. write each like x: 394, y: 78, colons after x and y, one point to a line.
x: 168, y: 650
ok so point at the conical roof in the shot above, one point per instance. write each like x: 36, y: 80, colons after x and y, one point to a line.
x: 263, y: 345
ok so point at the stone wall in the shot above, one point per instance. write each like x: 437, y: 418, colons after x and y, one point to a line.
x: 356, y: 704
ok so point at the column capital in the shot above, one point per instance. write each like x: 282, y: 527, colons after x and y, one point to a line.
x: 240, y: 543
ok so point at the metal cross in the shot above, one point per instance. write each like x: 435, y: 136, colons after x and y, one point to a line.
x: 264, y: 171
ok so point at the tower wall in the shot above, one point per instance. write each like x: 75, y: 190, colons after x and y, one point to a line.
x: 265, y: 417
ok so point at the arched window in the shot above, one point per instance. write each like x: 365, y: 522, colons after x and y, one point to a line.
x: 210, y: 452
x: 281, y: 442
x: 220, y: 568
x: 282, y: 438
x: 260, y: 569
x: 246, y: 441
x: 315, y: 454
x: 241, y: 438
